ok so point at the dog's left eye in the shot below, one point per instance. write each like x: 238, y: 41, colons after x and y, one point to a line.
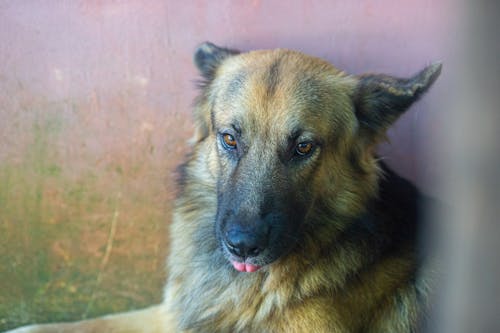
x: 304, y: 148
x: 228, y: 141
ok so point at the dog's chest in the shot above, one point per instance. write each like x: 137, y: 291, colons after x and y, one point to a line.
x: 205, y: 303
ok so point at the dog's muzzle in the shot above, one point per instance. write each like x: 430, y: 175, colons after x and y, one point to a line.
x: 246, y: 243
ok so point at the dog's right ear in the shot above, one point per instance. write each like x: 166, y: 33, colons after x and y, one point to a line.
x: 380, y: 99
x: 209, y: 56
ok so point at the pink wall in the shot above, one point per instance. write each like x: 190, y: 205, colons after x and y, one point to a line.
x: 95, y: 100
x: 117, y: 76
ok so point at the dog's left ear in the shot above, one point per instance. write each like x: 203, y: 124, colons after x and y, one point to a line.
x: 209, y: 56
x: 380, y: 99
x: 207, y: 59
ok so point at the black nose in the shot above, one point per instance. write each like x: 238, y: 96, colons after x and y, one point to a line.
x: 245, y: 243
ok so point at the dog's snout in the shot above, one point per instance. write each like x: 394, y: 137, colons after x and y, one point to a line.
x: 246, y: 243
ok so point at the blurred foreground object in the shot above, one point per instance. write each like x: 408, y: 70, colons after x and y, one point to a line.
x: 469, y: 298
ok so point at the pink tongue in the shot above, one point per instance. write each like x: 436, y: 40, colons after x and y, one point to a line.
x: 242, y: 267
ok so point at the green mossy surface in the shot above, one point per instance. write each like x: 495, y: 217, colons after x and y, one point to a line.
x: 60, y: 258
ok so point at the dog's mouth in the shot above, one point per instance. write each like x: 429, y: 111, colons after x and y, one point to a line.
x: 252, y: 264
x: 243, y: 264
x: 245, y: 267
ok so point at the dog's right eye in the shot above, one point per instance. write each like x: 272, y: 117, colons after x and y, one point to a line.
x: 304, y: 148
x: 228, y: 141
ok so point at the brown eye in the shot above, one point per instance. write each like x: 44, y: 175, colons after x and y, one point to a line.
x: 228, y: 141
x: 304, y: 148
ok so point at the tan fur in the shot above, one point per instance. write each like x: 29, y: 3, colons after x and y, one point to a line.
x: 325, y: 284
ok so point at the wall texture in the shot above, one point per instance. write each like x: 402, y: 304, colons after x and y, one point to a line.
x: 95, y: 101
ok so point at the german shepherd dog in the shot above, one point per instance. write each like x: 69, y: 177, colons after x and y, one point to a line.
x: 285, y: 220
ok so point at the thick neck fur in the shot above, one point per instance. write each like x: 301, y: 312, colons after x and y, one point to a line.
x: 208, y: 295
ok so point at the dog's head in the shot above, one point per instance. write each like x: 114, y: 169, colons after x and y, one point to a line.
x: 292, y: 140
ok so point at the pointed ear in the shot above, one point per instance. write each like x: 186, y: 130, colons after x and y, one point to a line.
x: 380, y: 99
x: 209, y: 56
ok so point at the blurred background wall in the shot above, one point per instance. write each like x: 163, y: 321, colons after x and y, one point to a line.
x: 95, y: 100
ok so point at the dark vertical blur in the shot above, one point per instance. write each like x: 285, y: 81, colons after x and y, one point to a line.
x: 469, y: 295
